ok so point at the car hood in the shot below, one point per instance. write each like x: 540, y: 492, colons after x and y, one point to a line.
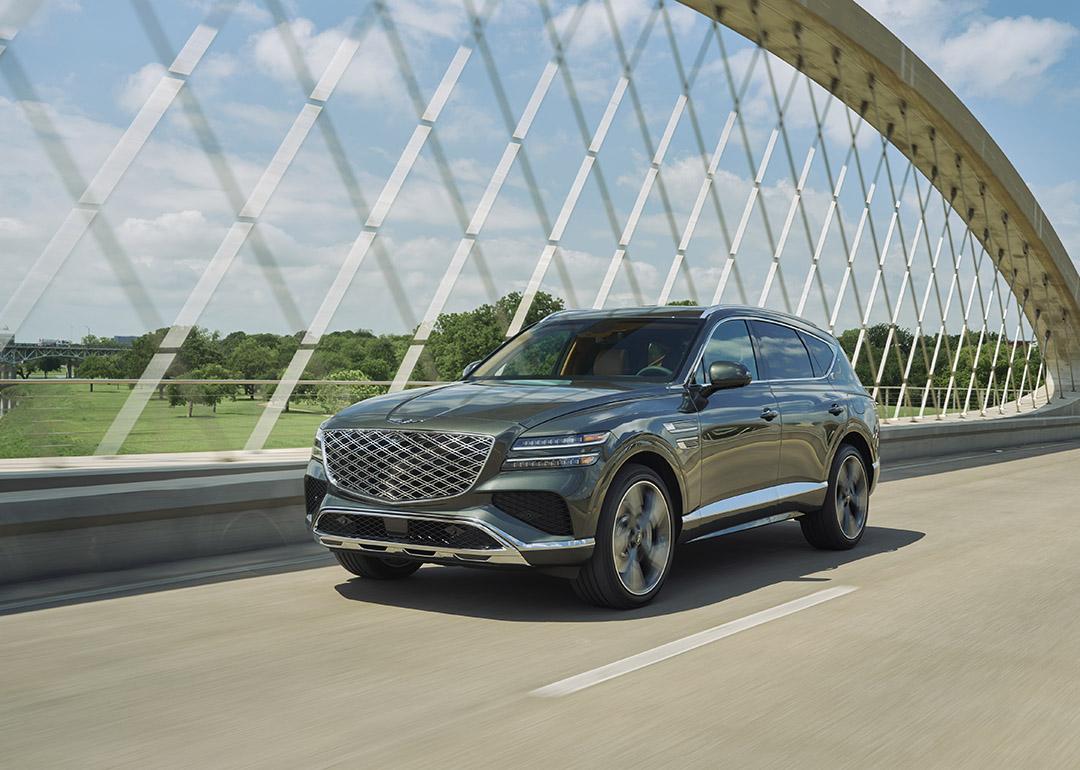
x: 458, y: 405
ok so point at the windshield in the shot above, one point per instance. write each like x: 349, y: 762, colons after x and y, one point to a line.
x: 637, y: 349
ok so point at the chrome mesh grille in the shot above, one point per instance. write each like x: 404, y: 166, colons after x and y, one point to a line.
x: 404, y: 465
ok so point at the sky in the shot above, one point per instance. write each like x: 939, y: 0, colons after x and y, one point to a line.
x: 77, y: 73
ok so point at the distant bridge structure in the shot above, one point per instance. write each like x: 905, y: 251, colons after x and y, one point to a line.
x: 14, y: 354
x: 791, y: 154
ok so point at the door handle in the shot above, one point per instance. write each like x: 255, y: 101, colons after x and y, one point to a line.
x: 769, y: 414
x: 836, y: 409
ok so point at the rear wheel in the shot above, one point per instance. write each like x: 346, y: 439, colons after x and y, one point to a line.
x: 376, y: 567
x: 840, y: 523
x: 634, y: 542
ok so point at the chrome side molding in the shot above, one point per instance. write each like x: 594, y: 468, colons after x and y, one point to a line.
x: 746, y: 525
x: 759, y: 498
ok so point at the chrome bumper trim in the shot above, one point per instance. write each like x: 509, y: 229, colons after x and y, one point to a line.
x: 511, y: 549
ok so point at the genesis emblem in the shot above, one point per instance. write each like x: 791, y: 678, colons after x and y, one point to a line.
x: 404, y: 420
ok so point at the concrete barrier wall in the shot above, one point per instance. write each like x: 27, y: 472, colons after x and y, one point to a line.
x: 956, y: 437
x: 123, y: 515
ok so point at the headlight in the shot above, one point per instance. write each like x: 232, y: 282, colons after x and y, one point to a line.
x: 578, y: 450
x: 557, y: 461
x: 566, y: 441
x: 316, y: 448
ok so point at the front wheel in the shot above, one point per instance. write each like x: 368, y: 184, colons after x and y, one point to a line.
x: 376, y: 567
x: 635, y: 542
x: 840, y: 523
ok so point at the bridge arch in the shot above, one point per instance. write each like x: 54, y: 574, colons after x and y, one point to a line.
x: 856, y: 58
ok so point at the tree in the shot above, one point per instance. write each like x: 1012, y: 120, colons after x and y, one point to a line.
x: 334, y: 398
x: 253, y: 361
x: 98, y: 368
x: 50, y: 364
x: 682, y: 303
x: 207, y: 393
x: 201, y: 348
x: 460, y: 338
x: 133, y: 361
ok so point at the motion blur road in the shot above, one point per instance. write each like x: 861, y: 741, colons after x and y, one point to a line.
x: 959, y: 647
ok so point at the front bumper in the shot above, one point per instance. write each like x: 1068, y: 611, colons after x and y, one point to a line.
x: 509, y: 540
x: 507, y: 549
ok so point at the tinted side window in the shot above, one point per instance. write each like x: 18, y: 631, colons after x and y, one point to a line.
x: 821, y: 353
x: 731, y: 342
x: 782, y: 352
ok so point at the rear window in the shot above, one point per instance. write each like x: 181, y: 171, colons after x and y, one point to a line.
x: 821, y: 353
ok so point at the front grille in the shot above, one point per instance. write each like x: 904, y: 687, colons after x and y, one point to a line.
x: 546, y: 511
x: 314, y: 492
x: 404, y: 465
x: 419, y: 532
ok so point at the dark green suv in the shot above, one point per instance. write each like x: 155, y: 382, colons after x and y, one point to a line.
x: 591, y: 443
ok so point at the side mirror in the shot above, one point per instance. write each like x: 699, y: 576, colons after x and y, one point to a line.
x: 469, y: 370
x: 726, y: 374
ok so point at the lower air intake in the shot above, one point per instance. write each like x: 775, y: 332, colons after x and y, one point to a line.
x: 546, y: 511
x: 419, y: 532
x: 314, y: 492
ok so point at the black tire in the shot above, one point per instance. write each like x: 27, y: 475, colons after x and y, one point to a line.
x: 841, y: 522
x: 376, y: 567
x: 649, y: 541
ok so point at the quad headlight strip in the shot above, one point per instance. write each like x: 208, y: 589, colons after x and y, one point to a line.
x: 578, y: 443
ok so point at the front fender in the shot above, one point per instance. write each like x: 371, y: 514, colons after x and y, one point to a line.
x: 638, y: 444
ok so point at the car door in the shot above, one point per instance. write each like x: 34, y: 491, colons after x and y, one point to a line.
x: 740, y: 432
x: 811, y: 408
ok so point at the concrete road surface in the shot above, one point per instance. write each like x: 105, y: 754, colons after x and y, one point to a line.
x: 958, y: 647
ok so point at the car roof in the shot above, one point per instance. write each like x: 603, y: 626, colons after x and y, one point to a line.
x: 686, y: 312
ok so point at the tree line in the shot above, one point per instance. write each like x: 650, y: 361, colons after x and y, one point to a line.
x: 459, y: 338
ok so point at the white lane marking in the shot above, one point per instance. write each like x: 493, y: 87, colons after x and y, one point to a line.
x: 45, y: 601
x: 686, y: 644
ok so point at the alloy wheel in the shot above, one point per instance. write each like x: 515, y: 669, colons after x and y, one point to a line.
x: 641, y: 540
x: 852, y: 496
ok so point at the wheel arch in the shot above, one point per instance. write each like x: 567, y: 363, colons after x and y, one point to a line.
x: 652, y: 456
x: 856, y: 439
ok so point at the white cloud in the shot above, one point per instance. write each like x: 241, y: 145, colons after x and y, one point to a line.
x: 10, y: 226
x: 974, y: 52
x: 372, y: 73
x: 1004, y: 55
x: 138, y: 86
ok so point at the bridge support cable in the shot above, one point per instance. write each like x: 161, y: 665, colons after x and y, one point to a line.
x: 474, y: 228
x: 514, y: 150
x: 907, y: 251
x: 422, y: 135
x: 594, y: 141
x: 234, y: 239
x: 91, y: 197
x: 590, y: 163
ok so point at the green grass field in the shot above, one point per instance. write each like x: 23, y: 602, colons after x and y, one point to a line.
x: 58, y: 419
